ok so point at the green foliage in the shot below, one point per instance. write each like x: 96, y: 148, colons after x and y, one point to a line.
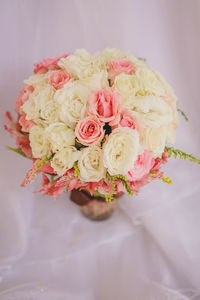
x: 78, y: 145
x: 76, y: 170
x: 181, y: 154
x: 124, y: 182
x: 183, y: 114
x: 166, y: 179
x: 99, y: 194
x: 42, y: 161
x: 110, y: 197
x: 17, y: 150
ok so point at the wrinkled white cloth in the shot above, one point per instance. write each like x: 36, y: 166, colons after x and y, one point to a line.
x: 150, y: 248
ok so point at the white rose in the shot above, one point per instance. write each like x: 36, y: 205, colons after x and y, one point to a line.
x: 72, y: 101
x: 112, y: 53
x: 60, y: 136
x: 152, y: 110
x: 97, y: 81
x: 138, y: 62
x: 37, y: 79
x: 154, y: 139
x: 121, y: 150
x: 64, y: 159
x: 147, y: 83
x: 38, y: 102
x: 38, y: 141
x: 126, y: 86
x: 91, y: 164
x: 80, y: 64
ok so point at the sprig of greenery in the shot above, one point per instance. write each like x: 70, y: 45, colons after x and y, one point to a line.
x: 124, y: 182
x: 76, y: 170
x: 17, y: 150
x: 110, y: 197
x: 183, y: 114
x: 79, y: 145
x: 42, y: 161
x: 99, y: 194
x: 181, y: 154
x: 166, y: 179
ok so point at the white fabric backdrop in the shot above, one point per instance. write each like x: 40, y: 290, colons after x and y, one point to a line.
x: 150, y: 248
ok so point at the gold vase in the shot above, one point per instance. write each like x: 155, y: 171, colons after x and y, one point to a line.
x: 94, y: 207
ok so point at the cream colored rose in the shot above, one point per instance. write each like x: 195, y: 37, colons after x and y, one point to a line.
x: 79, y: 65
x: 96, y: 82
x: 38, y: 102
x: 72, y: 102
x: 126, y: 86
x: 147, y: 83
x: 91, y: 164
x: 60, y: 136
x: 154, y: 139
x: 38, y: 141
x: 153, y: 111
x: 121, y: 150
x: 37, y: 79
x: 64, y: 159
x: 112, y: 53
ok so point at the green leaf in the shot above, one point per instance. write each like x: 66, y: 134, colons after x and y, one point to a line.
x: 76, y: 170
x: 79, y: 145
x: 17, y: 150
x: 181, y: 154
x: 183, y: 114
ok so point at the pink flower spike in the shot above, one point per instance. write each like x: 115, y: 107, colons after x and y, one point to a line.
x: 142, y: 166
x: 73, y: 184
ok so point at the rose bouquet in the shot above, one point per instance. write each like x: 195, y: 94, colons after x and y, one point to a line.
x: 98, y: 123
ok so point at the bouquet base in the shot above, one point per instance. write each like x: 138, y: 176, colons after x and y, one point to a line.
x: 94, y: 207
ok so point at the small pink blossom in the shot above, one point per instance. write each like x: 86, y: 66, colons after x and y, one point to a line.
x: 25, y: 124
x: 52, y: 188
x: 23, y: 96
x: 89, y: 130
x: 105, y: 105
x: 159, y: 161
x: 118, y: 66
x: 58, y: 78
x: 142, y: 166
x: 22, y: 140
x: 137, y: 184
x: 46, y: 64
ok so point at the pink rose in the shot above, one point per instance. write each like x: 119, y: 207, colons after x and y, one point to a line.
x: 46, y: 64
x: 23, y: 96
x: 58, y: 78
x: 118, y: 66
x: 24, y: 123
x: 128, y: 120
x: 105, y: 105
x: 89, y: 131
x: 142, y: 166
